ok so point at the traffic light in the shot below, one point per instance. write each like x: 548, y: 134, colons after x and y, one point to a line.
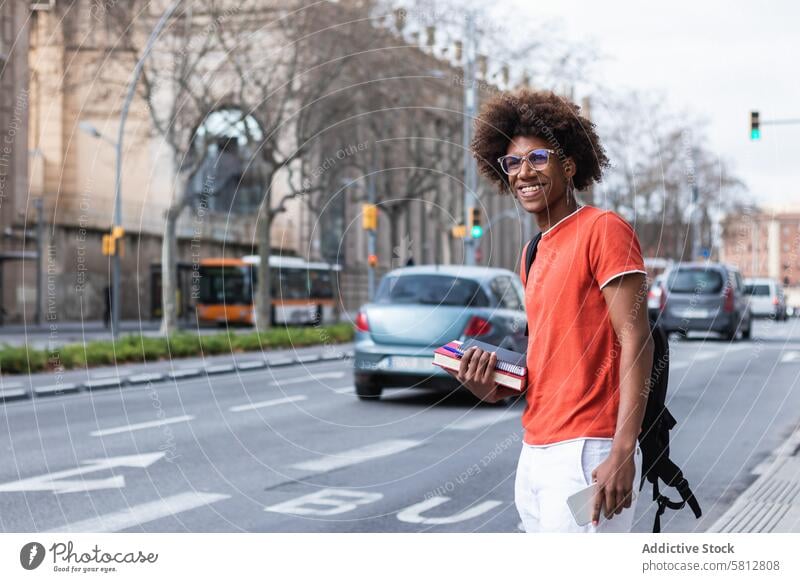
x: 475, y: 224
x: 369, y: 217
x: 372, y: 260
x: 112, y: 243
x: 459, y: 231
x: 755, y: 130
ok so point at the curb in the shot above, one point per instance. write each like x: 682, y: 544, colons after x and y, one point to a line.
x: 16, y: 391
x: 772, y: 502
x: 55, y: 389
x: 104, y: 383
x: 13, y: 392
x: 146, y: 378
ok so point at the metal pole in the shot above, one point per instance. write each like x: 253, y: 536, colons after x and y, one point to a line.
x: 754, y: 242
x: 137, y: 71
x: 371, y: 233
x: 695, y: 209
x: 38, y: 203
x: 469, y: 113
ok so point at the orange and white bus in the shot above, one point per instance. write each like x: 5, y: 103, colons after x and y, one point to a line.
x: 302, y: 292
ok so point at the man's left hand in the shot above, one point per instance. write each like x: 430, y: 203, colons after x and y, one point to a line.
x: 614, y: 478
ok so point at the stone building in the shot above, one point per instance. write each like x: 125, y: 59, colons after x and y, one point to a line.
x: 17, y: 210
x: 765, y: 243
x: 66, y: 158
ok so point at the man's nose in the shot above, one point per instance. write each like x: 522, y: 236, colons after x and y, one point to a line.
x: 527, y: 171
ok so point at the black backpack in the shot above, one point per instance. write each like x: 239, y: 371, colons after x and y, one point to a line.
x: 656, y: 424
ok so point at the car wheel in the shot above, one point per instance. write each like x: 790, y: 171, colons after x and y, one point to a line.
x: 747, y: 332
x: 730, y: 335
x: 368, y: 391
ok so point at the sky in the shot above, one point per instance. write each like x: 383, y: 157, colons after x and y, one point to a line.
x: 718, y: 60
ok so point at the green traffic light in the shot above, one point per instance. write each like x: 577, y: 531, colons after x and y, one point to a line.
x: 755, y: 134
x: 477, y: 231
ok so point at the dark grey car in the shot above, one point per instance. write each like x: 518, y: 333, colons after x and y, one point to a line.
x: 706, y: 297
x: 418, y: 309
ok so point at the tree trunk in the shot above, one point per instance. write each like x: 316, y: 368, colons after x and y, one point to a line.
x: 394, y: 221
x: 169, y: 268
x: 263, y: 303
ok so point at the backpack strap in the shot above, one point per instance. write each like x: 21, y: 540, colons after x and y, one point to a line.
x: 530, y: 255
x: 673, y: 477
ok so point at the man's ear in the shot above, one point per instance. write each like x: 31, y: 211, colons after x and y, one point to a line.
x: 570, y: 168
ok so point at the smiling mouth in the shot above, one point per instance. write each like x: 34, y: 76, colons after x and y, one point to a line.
x: 531, y: 190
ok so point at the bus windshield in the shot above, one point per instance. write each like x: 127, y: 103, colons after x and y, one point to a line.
x: 225, y: 285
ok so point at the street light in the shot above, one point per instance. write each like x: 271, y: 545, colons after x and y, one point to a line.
x: 91, y: 130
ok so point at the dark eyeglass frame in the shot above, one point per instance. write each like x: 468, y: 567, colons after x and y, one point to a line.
x: 527, y: 157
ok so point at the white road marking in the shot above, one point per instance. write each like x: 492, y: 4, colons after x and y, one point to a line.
x: 306, y: 379
x: 345, y: 390
x: 328, y: 502
x: 139, y: 514
x: 266, y: 403
x: 58, y: 482
x: 140, y: 425
x: 475, y: 420
x: 414, y: 513
x: 359, y: 455
x: 790, y: 357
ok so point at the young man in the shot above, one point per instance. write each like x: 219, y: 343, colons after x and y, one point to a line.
x: 589, y: 349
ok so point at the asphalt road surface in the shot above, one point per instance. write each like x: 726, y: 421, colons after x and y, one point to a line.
x: 292, y: 449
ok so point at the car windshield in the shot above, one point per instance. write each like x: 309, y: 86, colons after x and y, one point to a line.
x: 701, y: 281
x: 431, y: 290
x: 757, y: 290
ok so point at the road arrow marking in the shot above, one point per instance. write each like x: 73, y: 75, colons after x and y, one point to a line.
x: 59, y: 482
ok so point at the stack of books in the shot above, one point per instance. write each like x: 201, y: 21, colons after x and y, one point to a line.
x: 510, y: 370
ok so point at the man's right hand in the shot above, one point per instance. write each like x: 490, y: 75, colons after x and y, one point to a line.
x: 476, y: 372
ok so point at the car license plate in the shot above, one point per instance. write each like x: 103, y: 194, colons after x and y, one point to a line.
x: 410, y: 363
x: 694, y: 313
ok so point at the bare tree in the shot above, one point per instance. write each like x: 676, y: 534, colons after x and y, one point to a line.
x: 273, y: 62
x: 658, y: 157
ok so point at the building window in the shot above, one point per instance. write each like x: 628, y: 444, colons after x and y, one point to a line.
x: 226, y: 181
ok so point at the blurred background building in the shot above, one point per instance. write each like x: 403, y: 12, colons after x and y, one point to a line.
x: 765, y: 243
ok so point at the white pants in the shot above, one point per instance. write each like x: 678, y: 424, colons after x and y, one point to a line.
x: 548, y: 474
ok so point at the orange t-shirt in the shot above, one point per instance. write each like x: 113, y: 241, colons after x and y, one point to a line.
x: 573, y: 351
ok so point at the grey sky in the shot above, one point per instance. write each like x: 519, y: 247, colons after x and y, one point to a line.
x: 716, y: 59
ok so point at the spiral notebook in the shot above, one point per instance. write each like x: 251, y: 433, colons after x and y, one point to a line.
x: 510, y: 369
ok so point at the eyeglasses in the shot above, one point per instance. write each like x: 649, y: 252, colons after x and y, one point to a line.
x: 537, y: 159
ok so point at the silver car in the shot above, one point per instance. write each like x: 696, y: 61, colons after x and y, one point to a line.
x: 766, y: 298
x: 418, y: 309
x: 706, y: 297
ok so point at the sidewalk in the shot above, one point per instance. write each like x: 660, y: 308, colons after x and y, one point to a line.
x: 20, y: 387
x: 772, y: 502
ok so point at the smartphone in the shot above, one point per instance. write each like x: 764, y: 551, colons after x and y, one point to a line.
x: 580, y: 505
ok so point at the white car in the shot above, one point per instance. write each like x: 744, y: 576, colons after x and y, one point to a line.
x: 766, y: 298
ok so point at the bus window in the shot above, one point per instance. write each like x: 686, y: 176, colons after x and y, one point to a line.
x: 224, y: 285
x: 320, y: 285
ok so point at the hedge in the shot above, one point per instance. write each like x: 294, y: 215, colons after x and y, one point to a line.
x: 139, y: 348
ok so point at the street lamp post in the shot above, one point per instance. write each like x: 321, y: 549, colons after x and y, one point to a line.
x: 470, y: 106
x: 88, y: 128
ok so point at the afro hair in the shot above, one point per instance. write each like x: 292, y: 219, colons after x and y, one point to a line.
x: 540, y: 114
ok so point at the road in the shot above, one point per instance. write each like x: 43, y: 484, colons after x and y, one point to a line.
x: 292, y: 449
